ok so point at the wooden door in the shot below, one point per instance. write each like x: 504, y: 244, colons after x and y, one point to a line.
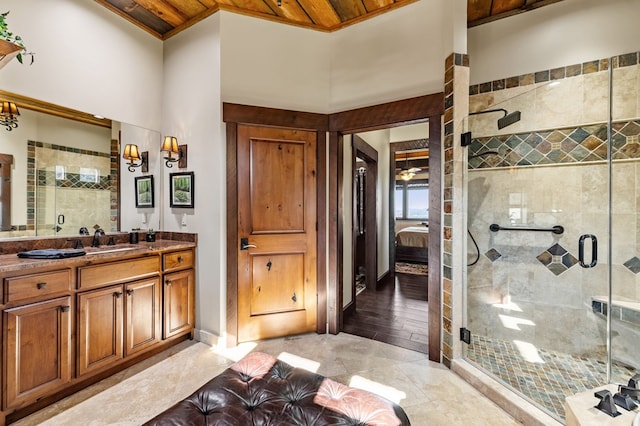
x: 179, y: 301
x: 142, y: 315
x: 277, y: 228
x: 37, y: 350
x: 99, y: 328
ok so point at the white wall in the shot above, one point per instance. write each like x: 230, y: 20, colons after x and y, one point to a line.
x: 379, y: 140
x: 564, y: 33
x: 87, y: 58
x: 192, y: 113
x: 269, y: 64
x: 148, y: 217
x: 394, y: 56
x: 409, y: 133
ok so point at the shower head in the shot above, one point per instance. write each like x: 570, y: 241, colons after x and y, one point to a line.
x: 507, y: 120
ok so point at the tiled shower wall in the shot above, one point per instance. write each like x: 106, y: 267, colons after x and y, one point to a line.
x: 551, y: 170
x: 83, y: 202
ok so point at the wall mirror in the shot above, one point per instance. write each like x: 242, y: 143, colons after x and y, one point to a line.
x: 61, y: 171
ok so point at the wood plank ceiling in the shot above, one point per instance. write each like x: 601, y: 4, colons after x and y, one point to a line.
x: 165, y: 18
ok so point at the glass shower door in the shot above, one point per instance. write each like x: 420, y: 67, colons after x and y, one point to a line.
x: 45, y: 203
x: 71, y: 196
x: 538, y: 212
x: 624, y: 307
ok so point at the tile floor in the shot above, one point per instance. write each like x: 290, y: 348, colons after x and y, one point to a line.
x: 430, y: 393
x: 547, y: 377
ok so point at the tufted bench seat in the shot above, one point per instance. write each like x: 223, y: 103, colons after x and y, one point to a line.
x: 262, y: 390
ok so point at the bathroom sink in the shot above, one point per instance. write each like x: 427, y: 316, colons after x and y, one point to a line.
x: 109, y: 249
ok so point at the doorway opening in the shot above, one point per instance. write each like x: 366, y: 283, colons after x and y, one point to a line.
x: 392, y: 307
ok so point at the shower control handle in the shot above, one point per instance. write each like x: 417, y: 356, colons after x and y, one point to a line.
x: 594, y: 250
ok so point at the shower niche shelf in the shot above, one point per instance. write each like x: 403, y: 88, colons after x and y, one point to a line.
x: 625, y: 311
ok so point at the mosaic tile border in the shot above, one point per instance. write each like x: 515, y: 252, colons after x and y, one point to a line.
x: 63, y: 148
x: 557, y: 146
x: 624, y: 60
x: 72, y: 180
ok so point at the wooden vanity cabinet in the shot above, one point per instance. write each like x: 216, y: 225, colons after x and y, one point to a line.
x: 36, y: 329
x: 37, y: 340
x: 179, y: 293
x: 118, y: 320
x: 67, y: 326
x: 143, y: 325
x: 99, y: 328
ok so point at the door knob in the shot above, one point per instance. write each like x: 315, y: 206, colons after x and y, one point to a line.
x: 244, y: 244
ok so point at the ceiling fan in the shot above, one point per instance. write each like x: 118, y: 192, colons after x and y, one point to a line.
x: 407, y: 173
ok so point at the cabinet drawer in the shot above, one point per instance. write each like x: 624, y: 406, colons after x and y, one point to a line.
x: 117, y: 272
x: 36, y: 285
x: 177, y: 260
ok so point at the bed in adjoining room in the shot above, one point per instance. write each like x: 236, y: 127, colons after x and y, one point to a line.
x: 412, y: 244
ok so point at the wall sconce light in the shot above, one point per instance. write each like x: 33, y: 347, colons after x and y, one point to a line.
x: 9, y: 115
x: 133, y: 154
x: 171, y: 147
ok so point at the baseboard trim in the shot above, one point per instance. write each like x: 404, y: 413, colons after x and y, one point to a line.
x: 207, y: 338
x: 384, y: 278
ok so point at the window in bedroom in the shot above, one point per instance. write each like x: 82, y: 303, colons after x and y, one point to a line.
x: 412, y: 199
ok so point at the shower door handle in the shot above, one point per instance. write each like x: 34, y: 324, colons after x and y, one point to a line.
x: 594, y: 250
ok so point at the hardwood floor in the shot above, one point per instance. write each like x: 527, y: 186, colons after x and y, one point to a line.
x: 395, y: 314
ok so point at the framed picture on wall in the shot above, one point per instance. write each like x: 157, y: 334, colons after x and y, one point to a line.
x: 181, y: 189
x: 144, y: 191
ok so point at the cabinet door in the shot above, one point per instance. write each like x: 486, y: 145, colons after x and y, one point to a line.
x: 37, y: 350
x: 99, y: 328
x: 142, y: 314
x: 179, y: 301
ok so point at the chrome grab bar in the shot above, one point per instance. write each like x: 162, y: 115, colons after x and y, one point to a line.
x: 558, y: 229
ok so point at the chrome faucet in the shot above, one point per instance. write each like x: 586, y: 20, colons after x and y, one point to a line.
x: 96, y: 237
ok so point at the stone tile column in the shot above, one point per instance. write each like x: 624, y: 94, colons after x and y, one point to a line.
x: 456, y: 109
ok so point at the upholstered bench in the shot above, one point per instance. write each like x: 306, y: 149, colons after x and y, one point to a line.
x: 262, y: 390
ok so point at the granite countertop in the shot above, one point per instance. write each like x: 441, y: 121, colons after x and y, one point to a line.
x: 11, y: 262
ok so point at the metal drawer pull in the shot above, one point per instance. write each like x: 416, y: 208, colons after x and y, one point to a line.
x: 41, y: 286
x: 180, y: 259
x: 64, y: 308
x: 168, y: 282
x: 117, y: 294
x: 129, y: 292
